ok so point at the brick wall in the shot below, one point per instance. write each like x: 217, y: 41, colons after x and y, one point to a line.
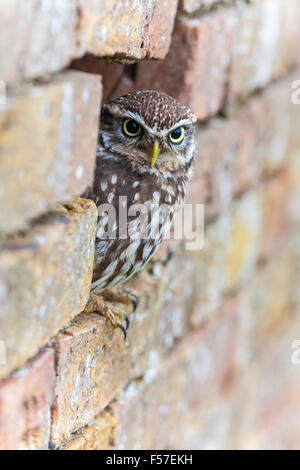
x: 207, y: 361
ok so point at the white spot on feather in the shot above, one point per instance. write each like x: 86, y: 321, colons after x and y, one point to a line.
x: 110, y: 197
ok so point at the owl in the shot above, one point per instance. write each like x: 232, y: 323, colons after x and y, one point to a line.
x: 143, y: 168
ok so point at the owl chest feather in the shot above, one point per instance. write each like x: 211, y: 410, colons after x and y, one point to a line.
x: 125, y: 244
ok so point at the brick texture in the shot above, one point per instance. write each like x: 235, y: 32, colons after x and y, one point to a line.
x: 94, y: 363
x: 25, y: 402
x: 264, y: 46
x: 129, y: 30
x: 151, y: 412
x: 98, y: 435
x: 195, y: 69
x: 48, y: 146
x: 45, y: 279
x: 57, y: 32
x: 47, y: 29
x: 220, y: 58
x: 211, y: 357
x: 191, y: 6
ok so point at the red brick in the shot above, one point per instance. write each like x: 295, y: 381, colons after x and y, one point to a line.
x: 110, y: 73
x: 161, y: 28
x: 271, y: 385
x: 125, y: 85
x: 214, y: 156
x: 195, y: 70
x: 45, y: 278
x: 150, y: 413
x: 94, y: 363
x: 55, y: 35
x: 201, y: 387
x: 47, y: 29
x: 177, y: 279
x: 276, y: 216
x: 264, y: 46
x: 98, y: 435
x: 25, y: 402
x: 126, y: 30
x: 266, y: 304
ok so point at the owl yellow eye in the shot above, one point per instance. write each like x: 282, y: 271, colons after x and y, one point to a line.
x: 131, y: 128
x: 177, y: 135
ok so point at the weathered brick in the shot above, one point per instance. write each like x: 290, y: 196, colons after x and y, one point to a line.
x: 150, y: 413
x: 201, y: 387
x: 209, y: 278
x: 280, y: 432
x: 242, y: 245
x: 264, y: 46
x: 97, y: 436
x: 126, y: 30
x: 274, y: 120
x: 110, y: 73
x: 191, y: 6
x: 25, y: 402
x: 198, y: 400
x: 45, y: 278
x: 295, y: 175
x: 48, y: 30
x: 177, y: 279
x: 266, y: 304
x: 57, y: 32
x: 276, y: 216
x: 214, y: 159
x: 228, y: 257
x: 125, y: 85
x: 226, y: 55
x: 48, y: 146
x: 195, y: 70
x: 232, y: 155
x: 94, y: 362
x: 262, y: 422
x: 161, y: 28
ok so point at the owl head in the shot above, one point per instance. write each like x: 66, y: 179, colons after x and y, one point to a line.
x: 148, y: 131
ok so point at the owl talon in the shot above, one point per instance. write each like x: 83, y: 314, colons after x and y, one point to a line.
x: 133, y: 298
x: 97, y: 303
x: 122, y: 327
x: 126, y: 318
x: 123, y: 295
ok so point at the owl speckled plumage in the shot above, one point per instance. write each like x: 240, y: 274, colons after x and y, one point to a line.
x: 145, y: 153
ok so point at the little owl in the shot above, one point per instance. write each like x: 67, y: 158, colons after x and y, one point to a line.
x: 144, y: 164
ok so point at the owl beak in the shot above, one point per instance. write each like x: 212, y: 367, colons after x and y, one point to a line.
x: 155, y: 152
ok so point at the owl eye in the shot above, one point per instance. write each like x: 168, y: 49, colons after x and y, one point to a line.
x: 177, y: 135
x: 131, y: 128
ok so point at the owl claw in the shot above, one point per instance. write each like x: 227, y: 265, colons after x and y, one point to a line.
x: 122, y: 295
x: 126, y: 318
x: 133, y: 298
x: 121, y: 326
x: 124, y: 330
x: 97, y: 303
